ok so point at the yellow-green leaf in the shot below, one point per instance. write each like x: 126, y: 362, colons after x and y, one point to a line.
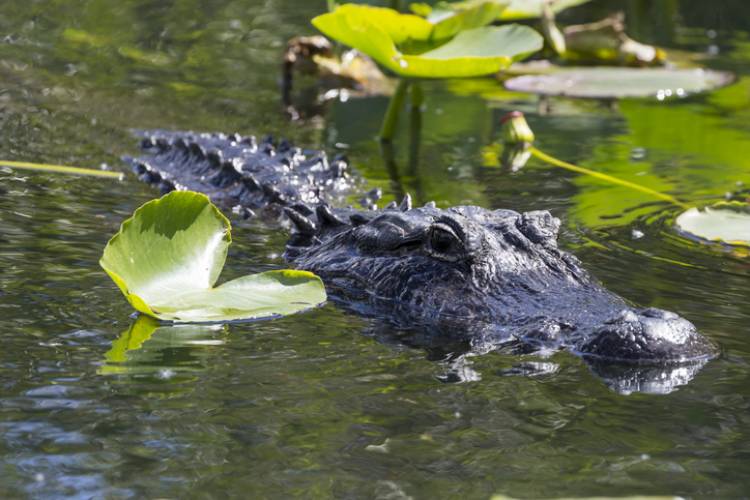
x: 167, y: 258
x: 528, y: 9
x: 449, y: 18
x: 723, y: 222
x: 611, y: 82
x: 378, y: 32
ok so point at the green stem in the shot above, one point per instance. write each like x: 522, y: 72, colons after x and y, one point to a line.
x: 614, y: 180
x: 390, y: 121
x: 332, y: 4
x: 417, y: 96
x: 60, y: 169
x: 415, y: 129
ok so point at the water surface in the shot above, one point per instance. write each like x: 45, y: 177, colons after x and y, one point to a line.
x: 330, y: 404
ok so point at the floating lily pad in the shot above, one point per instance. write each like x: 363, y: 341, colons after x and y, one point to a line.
x: 727, y: 223
x: 606, y: 83
x: 379, y: 32
x: 449, y: 18
x: 167, y: 258
x: 527, y: 9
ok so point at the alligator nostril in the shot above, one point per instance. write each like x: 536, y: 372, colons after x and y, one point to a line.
x: 648, y: 336
x: 624, y: 316
x: 653, y: 312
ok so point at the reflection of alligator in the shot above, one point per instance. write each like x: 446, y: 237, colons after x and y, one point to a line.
x: 465, y: 278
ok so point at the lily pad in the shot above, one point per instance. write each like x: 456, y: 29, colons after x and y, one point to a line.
x: 167, y: 258
x: 609, y: 83
x: 510, y: 10
x: 528, y: 9
x: 377, y: 32
x: 349, y: 24
x: 723, y: 222
x: 449, y: 18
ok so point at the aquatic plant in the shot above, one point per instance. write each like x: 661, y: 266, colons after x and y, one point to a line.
x: 723, y: 222
x: 60, y: 169
x: 168, y: 256
x: 456, y: 43
x: 512, y: 10
x: 616, y: 83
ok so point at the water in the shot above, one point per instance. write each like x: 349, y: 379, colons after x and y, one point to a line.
x: 95, y: 404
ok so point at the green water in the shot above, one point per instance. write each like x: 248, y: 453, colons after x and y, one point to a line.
x: 330, y: 404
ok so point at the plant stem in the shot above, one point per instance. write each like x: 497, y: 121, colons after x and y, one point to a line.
x: 417, y: 96
x: 614, y: 180
x: 415, y: 140
x: 390, y: 121
x: 60, y: 169
x: 332, y: 4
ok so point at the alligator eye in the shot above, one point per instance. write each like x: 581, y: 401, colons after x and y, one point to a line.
x: 444, y: 244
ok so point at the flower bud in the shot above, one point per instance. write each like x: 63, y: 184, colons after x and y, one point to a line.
x: 515, y: 130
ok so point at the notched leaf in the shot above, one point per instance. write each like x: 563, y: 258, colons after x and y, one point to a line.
x: 167, y: 258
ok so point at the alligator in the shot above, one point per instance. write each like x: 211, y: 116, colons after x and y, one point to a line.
x: 462, y: 280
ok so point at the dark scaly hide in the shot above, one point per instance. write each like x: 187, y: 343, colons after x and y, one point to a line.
x: 462, y: 279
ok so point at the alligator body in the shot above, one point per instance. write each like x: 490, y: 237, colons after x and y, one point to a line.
x: 466, y: 279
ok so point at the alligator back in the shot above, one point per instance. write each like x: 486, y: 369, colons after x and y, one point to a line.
x: 241, y: 173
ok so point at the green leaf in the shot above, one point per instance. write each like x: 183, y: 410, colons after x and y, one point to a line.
x: 61, y: 169
x: 724, y: 222
x: 476, y: 52
x: 527, y: 9
x: 509, y: 10
x: 350, y: 23
x: 167, y: 258
x: 451, y: 18
x: 606, y: 83
x: 377, y: 32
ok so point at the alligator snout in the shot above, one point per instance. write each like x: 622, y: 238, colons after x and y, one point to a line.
x: 648, y: 336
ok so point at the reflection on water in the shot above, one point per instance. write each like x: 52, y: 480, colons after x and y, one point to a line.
x: 148, y: 345
x: 627, y: 379
x: 329, y: 403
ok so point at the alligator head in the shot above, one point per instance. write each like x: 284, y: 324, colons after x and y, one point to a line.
x: 496, y: 277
